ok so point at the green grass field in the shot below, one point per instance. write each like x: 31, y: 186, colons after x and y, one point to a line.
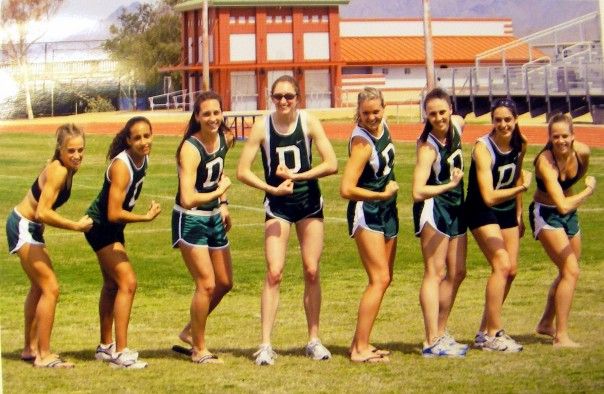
x: 162, y: 302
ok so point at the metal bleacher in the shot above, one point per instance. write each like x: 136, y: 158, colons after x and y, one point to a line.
x: 567, y: 76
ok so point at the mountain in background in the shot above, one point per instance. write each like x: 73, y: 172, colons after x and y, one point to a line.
x: 528, y: 16
x: 100, y: 29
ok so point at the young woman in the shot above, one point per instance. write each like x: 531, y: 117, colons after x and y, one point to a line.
x: 24, y: 231
x: 368, y: 182
x: 440, y: 221
x: 292, y: 196
x: 494, y: 213
x: 555, y: 222
x: 111, y: 211
x: 200, y: 219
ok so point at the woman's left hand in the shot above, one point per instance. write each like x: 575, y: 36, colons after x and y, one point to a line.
x: 226, y: 216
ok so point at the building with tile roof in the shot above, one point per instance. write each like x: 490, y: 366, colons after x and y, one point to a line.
x: 253, y: 42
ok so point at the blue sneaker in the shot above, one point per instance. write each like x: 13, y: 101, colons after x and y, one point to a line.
x: 480, y: 339
x: 442, y: 348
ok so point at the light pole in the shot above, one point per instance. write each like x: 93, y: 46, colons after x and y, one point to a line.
x: 428, y: 45
x: 205, y: 46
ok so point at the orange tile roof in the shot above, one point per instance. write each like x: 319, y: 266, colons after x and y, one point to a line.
x: 447, y: 50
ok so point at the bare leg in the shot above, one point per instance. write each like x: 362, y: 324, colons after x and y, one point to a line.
x: 310, y: 236
x: 38, y: 267
x: 30, y: 345
x: 562, y: 253
x: 456, y: 272
x: 114, y: 261
x: 276, y: 234
x: 106, y: 302
x: 377, y: 255
x: 434, y: 250
x: 491, y: 242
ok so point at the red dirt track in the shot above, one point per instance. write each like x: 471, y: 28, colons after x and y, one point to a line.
x: 592, y: 135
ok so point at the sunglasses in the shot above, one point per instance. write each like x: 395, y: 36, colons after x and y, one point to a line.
x: 287, y: 96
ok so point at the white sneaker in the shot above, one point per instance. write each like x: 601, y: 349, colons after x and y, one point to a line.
x: 104, y: 352
x: 441, y: 348
x: 453, y: 343
x: 317, y: 351
x: 127, y: 359
x: 501, y: 342
x: 265, y: 355
x: 480, y: 339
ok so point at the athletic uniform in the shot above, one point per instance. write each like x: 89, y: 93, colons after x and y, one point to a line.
x: 377, y: 216
x: 294, y: 150
x: 104, y: 232
x: 547, y: 217
x: 505, y: 170
x: 202, y: 225
x: 20, y: 230
x: 443, y: 212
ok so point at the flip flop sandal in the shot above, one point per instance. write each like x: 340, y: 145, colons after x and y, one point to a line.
x: 208, y: 359
x: 381, y: 352
x: 55, y: 363
x: 374, y: 358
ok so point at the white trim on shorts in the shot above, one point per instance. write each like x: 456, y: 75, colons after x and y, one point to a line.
x: 427, y: 217
x: 541, y: 224
x: 267, y: 210
x: 358, y: 221
x: 24, y: 234
x: 180, y: 239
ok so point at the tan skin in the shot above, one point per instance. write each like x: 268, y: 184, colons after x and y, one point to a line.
x: 211, y: 269
x: 444, y: 258
x: 376, y: 251
x: 310, y: 231
x: 500, y: 246
x: 41, y: 300
x: 564, y: 251
x: 119, y: 278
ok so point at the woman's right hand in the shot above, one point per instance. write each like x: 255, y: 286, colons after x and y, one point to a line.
x: 590, y: 182
x: 456, y: 176
x: 84, y: 224
x: 391, y: 189
x: 285, y: 188
x: 224, y: 183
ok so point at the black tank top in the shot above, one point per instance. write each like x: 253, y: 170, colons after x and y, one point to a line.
x: 62, y: 198
x: 566, y: 183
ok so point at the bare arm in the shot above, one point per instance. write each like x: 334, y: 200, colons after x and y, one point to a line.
x: 244, y: 168
x: 187, y: 175
x: 329, y: 163
x: 120, y: 177
x: 360, y: 154
x: 55, y: 178
x: 421, y: 190
x: 490, y: 195
x: 548, y: 172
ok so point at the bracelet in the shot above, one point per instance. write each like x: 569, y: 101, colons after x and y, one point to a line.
x: 225, y: 202
x: 523, y: 186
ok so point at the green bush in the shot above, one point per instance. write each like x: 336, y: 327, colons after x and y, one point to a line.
x: 99, y: 104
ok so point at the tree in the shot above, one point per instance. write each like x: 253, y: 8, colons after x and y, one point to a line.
x: 145, y: 40
x: 15, y: 19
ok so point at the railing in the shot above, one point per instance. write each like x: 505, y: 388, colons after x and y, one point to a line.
x: 164, y: 99
x: 528, y: 40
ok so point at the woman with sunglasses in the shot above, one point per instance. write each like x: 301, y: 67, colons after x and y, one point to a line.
x: 494, y: 214
x: 292, y: 196
x: 554, y: 220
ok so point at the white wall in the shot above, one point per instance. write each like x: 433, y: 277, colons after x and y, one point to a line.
x: 316, y: 46
x: 242, y: 47
x: 279, y: 46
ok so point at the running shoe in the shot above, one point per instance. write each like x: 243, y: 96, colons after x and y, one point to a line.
x: 501, y: 342
x: 104, y: 352
x: 265, y: 355
x: 127, y: 359
x: 441, y: 348
x: 317, y: 351
x: 453, y: 343
x: 480, y: 339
